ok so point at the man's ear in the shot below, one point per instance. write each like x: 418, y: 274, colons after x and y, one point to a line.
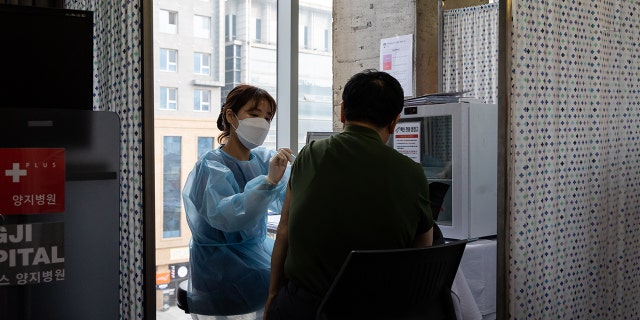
x: 342, y: 119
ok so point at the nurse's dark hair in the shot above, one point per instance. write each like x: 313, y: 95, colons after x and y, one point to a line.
x: 372, y: 96
x: 236, y: 99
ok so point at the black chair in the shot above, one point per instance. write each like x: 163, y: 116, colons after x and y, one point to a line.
x: 396, y: 284
x: 183, y: 304
x: 181, y: 296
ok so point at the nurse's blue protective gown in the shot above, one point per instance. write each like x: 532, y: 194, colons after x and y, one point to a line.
x: 227, y: 202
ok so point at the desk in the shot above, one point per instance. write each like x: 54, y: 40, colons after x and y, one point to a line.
x: 479, y: 267
x: 272, y: 223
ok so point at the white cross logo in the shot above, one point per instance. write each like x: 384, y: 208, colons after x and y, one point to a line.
x: 16, y: 172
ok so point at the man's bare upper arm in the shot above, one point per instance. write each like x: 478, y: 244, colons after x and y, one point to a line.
x: 424, y: 239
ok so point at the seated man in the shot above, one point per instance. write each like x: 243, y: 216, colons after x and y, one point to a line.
x: 349, y: 191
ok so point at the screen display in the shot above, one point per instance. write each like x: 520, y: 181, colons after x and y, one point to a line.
x: 46, y: 58
x: 317, y: 135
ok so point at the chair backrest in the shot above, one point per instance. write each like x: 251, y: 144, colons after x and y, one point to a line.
x: 412, y: 283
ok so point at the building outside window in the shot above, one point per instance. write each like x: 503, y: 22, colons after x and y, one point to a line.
x: 258, y: 31
x: 201, y: 100
x: 204, y: 144
x: 168, y: 60
x: 201, y: 63
x: 327, y: 41
x: 232, y: 67
x: 171, y: 187
x: 202, y: 27
x: 168, y: 21
x: 305, y: 37
x: 230, y: 27
x: 168, y: 98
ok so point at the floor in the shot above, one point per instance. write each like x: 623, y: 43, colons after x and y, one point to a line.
x: 175, y: 313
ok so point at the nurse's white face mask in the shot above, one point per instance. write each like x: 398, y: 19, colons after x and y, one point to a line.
x: 252, y: 131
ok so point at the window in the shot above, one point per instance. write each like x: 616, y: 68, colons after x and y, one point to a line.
x: 230, y: 42
x: 201, y: 100
x: 305, y: 37
x: 168, y: 98
x: 314, y: 83
x: 171, y: 187
x: 204, y: 144
x: 327, y: 39
x: 201, y: 63
x: 168, y: 21
x: 258, y: 30
x: 232, y: 65
x: 229, y: 27
x: 202, y: 27
x: 169, y: 60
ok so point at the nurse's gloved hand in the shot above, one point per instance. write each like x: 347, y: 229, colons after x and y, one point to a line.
x: 278, y: 165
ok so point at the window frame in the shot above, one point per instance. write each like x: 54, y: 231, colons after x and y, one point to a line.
x: 198, y: 102
x: 165, y: 24
x: 166, y: 62
x: 233, y: 65
x: 168, y: 101
x: 230, y: 32
x: 198, y: 29
x: 199, y: 66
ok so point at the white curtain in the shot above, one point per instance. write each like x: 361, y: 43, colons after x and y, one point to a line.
x: 574, y: 191
x: 118, y: 88
x: 470, y: 51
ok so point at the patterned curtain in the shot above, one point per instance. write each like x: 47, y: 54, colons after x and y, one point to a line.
x: 470, y: 51
x: 574, y: 186
x: 118, y: 88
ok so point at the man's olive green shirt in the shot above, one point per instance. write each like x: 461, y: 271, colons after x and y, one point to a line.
x: 351, y: 191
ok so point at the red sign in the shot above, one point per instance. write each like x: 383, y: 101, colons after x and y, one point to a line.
x: 31, y: 180
x: 387, y: 62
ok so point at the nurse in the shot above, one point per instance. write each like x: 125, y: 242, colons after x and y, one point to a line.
x: 227, y: 197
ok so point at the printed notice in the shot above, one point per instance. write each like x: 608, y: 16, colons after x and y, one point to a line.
x: 31, y: 253
x: 396, y: 59
x: 406, y: 139
x: 32, y: 180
